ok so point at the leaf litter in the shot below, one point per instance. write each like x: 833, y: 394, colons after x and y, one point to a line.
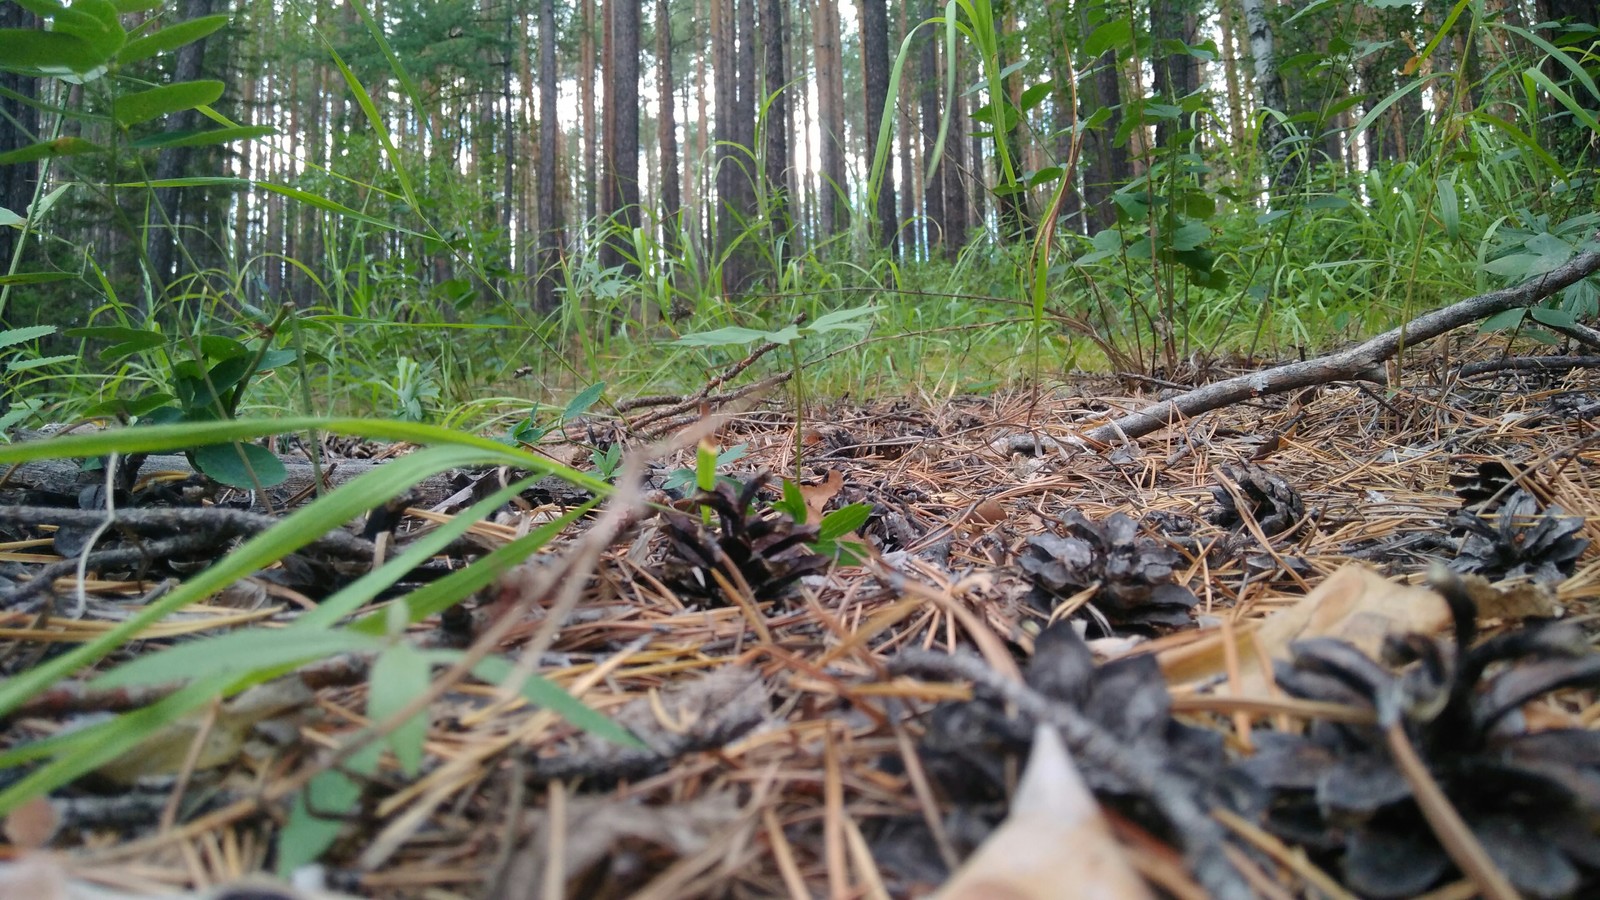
x: 1212, y: 663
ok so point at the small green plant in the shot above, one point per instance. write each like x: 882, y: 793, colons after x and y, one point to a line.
x: 9, y: 342
x: 791, y: 336
x: 225, y: 665
x: 833, y: 527
x: 206, y: 380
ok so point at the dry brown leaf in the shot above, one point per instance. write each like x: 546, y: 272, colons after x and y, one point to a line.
x: 818, y: 495
x: 1053, y: 844
x: 1355, y: 604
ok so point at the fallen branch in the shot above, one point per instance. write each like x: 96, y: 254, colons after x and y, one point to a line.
x: 1346, y: 364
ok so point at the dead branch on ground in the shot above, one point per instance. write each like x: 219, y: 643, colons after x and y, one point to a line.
x: 1346, y: 364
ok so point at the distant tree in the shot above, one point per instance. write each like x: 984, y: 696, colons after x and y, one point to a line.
x: 1569, y: 139
x: 779, y: 122
x: 875, y: 78
x: 1105, y: 162
x: 19, y: 127
x: 588, y: 69
x: 168, y: 215
x: 667, y: 130
x: 834, y: 191
x: 621, y: 170
x: 1175, y: 74
x: 549, y: 212
x: 929, y: 82
x: 1283, y: 165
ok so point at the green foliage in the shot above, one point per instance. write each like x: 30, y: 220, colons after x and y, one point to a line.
x: 226, y: 664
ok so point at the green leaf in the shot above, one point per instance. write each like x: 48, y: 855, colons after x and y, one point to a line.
x: 400, y: 675
x: 23, y: 49
x: 215, y: 346
x: 120, y: 335
x: 202, y: 137
x: 96, y: 22
x: 23, y: 335
x: 136, y: 407
x: 35, y: 277
x: 793, y: 503
x: 440, y: 595
x: 581, y: 403
x: 228, y: 656
x: 244, y: 466
x: 272, y: 359
x: 843, y: 520
x: 170, y: 38
x: 837, y: 319
x: 1035, y: 95
x: 318, y: 813
x: 10, y: 219
x: 1111, y: 34
x: 724, y: 337
x: 1503, y: 321
x: 23, y: 365
x: 131, y: 109
x: 547, y: 694
x: 1555, y: 318
x: 363, y: 590
x: 67, y: 146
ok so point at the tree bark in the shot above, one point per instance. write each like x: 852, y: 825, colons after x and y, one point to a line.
x: 929, y: 83
x: 165, y: 216
x: 875, y: 78
x: 622, y: 132
x: 1106, y: 164
x: 834, y: 191
x: 667, y: 131
x: 21, y: 128
x: 1283, y: 164
x: 587, y: 76
x: 549, y: 216
x: 778, y: 122
x: 1175, y: 73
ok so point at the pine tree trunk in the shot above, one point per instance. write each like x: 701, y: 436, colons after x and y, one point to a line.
x: 1175, y: 75
x: 777, y: 121
x: 621, y: 172
x: 667, y: 131
x: 834, y: 191
x: 162, y: 221
x: 588, y: 74
x: 875, y: 79
x: 930, y: 82
x: 549, y: 215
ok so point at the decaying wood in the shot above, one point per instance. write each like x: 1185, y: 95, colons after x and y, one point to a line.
x: 1346, y: 364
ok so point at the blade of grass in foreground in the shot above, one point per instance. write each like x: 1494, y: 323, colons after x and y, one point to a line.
x: 298, y: 529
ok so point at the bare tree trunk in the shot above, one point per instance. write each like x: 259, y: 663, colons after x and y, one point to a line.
x: 1175, y: 74
x: 162, y: 221
x: 930, y: 83
x: 587, y: 76
x: 667, y: 131
x: 875, y: 78
x: 834, y: 192
x: 1106, y: 165
x: 1228, y: 16
x: 549, y: 217
x: 621, y: 173
x: 20, y: 128
x: 1283, y: 163
x: 778, y: 120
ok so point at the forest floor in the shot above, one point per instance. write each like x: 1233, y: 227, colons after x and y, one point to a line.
x: 807, y: 734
